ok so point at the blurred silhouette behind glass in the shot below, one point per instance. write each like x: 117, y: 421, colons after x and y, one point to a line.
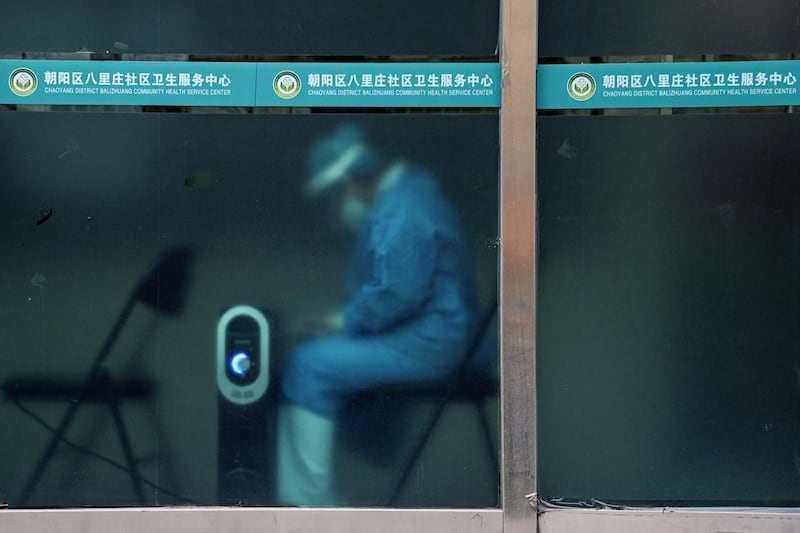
x: 410, y: 309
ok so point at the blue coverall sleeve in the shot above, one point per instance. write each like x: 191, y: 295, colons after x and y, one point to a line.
x: 403, y: 247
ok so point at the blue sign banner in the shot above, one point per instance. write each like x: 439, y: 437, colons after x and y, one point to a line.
x: 74, y: 82
x: 379, y: 84
x: 189, y: 83
x: 642, y: 85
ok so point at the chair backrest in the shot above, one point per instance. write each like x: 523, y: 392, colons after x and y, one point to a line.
x: 166, y: 283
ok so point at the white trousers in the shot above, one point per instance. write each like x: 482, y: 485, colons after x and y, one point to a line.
x: 304, y: 469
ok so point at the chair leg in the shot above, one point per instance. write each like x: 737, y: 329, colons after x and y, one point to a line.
x: 127, y: 450
x: 421, y: 443
x: 485, y: 428
x: 480, y: 407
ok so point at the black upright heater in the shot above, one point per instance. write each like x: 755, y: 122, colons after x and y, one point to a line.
x: 242, y: 381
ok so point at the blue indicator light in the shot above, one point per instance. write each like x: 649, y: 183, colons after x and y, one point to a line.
x: 240, y: 363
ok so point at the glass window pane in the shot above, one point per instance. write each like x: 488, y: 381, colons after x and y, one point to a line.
x: 305, y: 27
x: 668, y: 309
x: 126, y: 239
x: 588, y: 28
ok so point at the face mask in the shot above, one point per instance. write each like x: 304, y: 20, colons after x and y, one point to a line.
x: 353, y: 212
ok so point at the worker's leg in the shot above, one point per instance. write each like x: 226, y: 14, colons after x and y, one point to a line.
x: 305, y: 457
x: 324, y: 374
x: 320, y: 379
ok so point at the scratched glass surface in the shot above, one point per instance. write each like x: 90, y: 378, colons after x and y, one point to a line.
x: 669, y: 309
x: 254, y: 27
x: 90, y: 202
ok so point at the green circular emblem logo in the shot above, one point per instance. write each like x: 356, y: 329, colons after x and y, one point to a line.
x: 23, y: 82
x: 581, y: 86
x: 286, y: 84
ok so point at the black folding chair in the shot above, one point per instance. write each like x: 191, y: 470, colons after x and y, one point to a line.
x: 163, y: 288
x: 465, y: 386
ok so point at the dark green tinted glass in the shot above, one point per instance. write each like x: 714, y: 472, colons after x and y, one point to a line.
x: 669, y: 308
x: 305, y: 27
x: 629, y: 27
x: 89, y: 200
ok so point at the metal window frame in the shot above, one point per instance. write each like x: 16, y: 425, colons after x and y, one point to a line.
x: 518, y: 56
x: 630, y: 520
x: 518, y: 401
x: 670, y: 520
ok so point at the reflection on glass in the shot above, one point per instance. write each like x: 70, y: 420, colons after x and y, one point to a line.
x: 669, y: 309
x: 130, y: 235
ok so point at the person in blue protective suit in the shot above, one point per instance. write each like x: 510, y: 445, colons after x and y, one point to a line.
x: 410, y: 308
